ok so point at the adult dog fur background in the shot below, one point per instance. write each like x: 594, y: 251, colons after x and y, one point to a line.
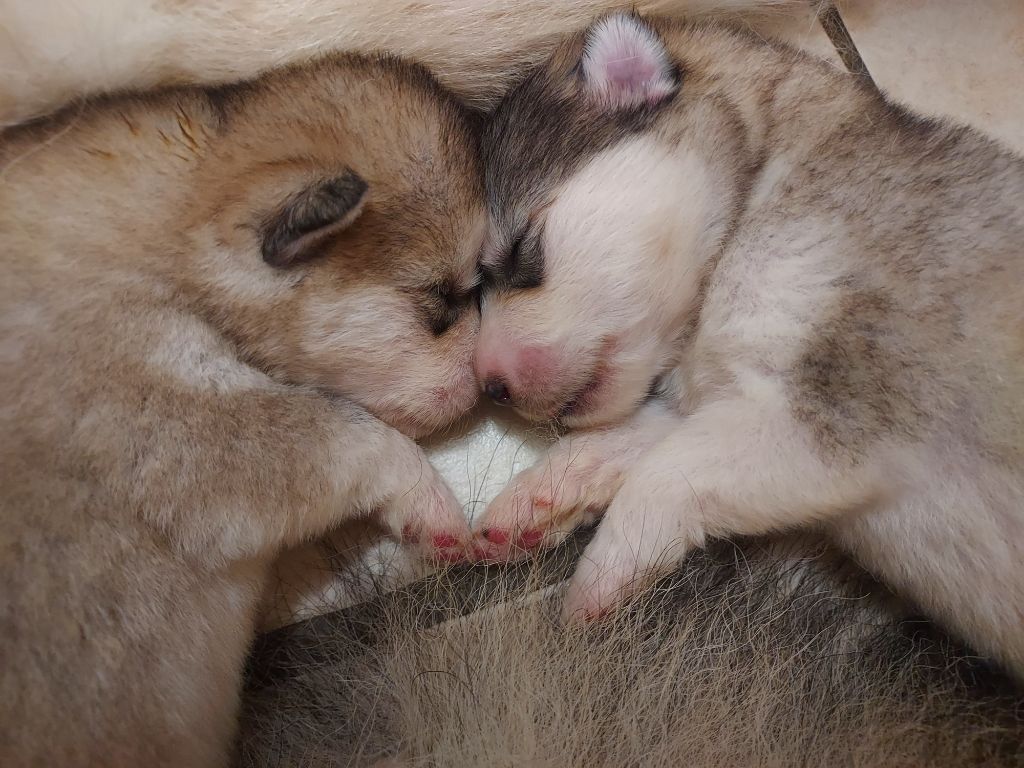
x: 756, y: 653
x: 61, y: 50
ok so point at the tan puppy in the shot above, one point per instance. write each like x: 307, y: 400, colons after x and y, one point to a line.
x: 216, y: 308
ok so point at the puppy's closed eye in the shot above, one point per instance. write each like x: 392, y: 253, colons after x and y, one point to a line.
x: 521, y: 267
x: 445, y: 304
x: 304, y: 221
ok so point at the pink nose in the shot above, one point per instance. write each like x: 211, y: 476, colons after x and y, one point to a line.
x: 509, y: 373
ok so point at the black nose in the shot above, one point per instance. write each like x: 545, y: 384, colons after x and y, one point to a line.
x: 497, y: 390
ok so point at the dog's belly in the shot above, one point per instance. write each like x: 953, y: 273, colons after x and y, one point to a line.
x: 953, y: 549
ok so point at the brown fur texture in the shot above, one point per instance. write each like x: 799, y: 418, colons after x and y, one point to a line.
x: 753, y: 654
x: 217, y: 307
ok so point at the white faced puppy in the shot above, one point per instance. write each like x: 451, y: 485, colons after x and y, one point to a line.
x: 826, y: 290
x: 221, y: 310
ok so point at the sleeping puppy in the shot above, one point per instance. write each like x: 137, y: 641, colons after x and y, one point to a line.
x: 823, y: 290
x: 225, y: 314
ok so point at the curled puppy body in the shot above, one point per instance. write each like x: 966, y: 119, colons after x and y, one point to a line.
x: 53, y: 52
x: 221, y: 311
x: 824, y: 289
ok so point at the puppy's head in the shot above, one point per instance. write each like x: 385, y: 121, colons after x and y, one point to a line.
x: 339, y: 225
x: 610, y: 177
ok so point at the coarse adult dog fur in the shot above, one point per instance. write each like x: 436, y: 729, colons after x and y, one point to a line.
x: 754, y: 653
x: 219, y: 308
x: 824, y: 290
x: 55, y: 51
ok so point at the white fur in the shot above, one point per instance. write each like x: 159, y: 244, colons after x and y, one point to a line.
x: 736, y: 467
x: 638, y: 202
x: 576, y: 478
x: 625, y: 65
x: 476, y: 459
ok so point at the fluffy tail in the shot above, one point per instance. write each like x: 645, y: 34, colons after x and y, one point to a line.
x: 57, y: 50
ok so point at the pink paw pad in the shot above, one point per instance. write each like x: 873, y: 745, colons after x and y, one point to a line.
x: 495, y: 536
x: 447, y: 548
x: 530, y: 538
x: 444, y: 541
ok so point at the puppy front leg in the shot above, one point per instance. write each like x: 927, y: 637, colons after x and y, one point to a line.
x: 575, y: 479
x: 735, y: 467
x: 243, y: 475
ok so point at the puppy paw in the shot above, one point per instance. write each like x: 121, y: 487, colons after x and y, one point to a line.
x: 598, y: 586
x: 428, y: 518
x: 647, y: 531
x: 543, y: 504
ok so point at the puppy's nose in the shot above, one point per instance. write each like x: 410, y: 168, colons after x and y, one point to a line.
x: 497, y: 390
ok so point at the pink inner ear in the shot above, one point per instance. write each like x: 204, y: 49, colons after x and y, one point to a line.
x: 630, y: 73
x: 625, y: 64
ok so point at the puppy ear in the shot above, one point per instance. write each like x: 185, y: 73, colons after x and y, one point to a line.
x: 625, y: 64
x: 306, y: 219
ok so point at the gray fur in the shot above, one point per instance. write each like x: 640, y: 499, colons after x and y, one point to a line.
x: 752, y: 654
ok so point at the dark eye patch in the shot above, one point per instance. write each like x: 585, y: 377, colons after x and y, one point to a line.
x: 521, y: 267
x: 445, y: 304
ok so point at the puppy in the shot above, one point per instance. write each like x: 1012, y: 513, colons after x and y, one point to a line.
x: 56, y: 51
x: 225, y: 314
x: 823, y: 289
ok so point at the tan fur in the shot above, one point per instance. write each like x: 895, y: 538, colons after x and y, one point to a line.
x: 176, y: 410
x: 54, y: 51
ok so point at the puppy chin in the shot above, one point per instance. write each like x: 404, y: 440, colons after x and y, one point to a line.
x: 410, y: 428
x: 431, y: 418
x: 614, y: 405
x: 625, y: 386
x: 414, y: 426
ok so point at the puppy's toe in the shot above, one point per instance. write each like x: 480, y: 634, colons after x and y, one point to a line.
x: 596, y: 589
x: 430, y: 519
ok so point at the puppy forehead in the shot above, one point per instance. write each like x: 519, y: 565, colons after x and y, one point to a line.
x: 541, y: 133
x: 430, y: 211
x: 378, y: 115
x: 461, y: 263
x: 438, y: 251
